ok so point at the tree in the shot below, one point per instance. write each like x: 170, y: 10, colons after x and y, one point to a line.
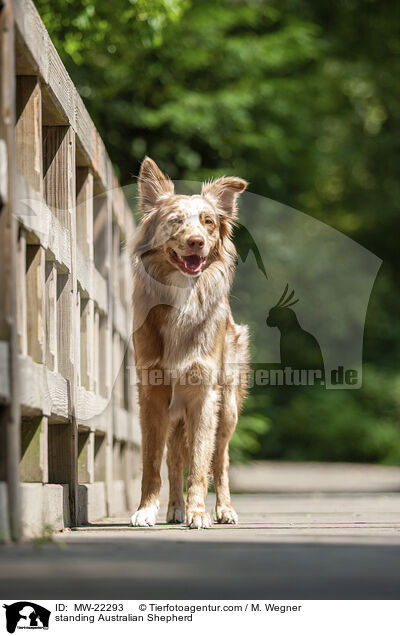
x: 301, y: 99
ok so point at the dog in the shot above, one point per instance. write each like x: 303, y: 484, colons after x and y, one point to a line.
x: 191, y: 358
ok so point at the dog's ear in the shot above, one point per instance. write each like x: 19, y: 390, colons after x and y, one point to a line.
x: 153, y: 184
x: 225, y: 192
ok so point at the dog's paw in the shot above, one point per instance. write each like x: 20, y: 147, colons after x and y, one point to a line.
x: 176, y: 514
x: 197, y: 519
x: 146, y: 516
x: 226, y: 514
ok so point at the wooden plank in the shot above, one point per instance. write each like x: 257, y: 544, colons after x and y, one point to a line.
x: 59, y: 171
x: 119, y: 206
x: 64, y: 325
x: 121, y: 423
x: 102, y: 164
x: 87, y: 343
x: 100, y: 234
x: 43, y: 391
x: 28, y: 131
x: 116, y: 272
x: 126, y: 284
x: 100, y: 457
x: 85, y: 130
x: 100, y: 422
x: 72, y: 245
x: 100, y: 291
x: 129, y: 461
x: 85, y: 266
x: 34, y: 450
x: 44, y: 58
x: 86, y: 457
x: 38, y: 219
x: 84, y: 211
x: 132, y: 396
x: 59, y: 192
x: 60, y: 83
x: 105, y: 360
x: 63, y: 104
x: 117, y: 467
x: 35, y: 302
x: 126, y: 426
x: 51, y: 315
x: 91, y: 282
x: 60, y: 195
x: 108, y: 369
x: 77, y: 339
x: 89, y: 407
x: 62, y: 463
x: 4, y: 373
x: 118, y: 375
x: 96, y: 352
x: 34, y: 35
x: 121, y: 321
x: 21, y: 295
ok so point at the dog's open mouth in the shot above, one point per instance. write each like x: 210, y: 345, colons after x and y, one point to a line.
x: 190, y: 264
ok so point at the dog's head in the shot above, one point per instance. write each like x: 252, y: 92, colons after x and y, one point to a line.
x: 185, y: 233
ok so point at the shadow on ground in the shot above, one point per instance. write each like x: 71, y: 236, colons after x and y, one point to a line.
x: 157, y: 569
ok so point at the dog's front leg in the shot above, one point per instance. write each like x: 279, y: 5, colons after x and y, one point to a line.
x: 201, y: 423
x: 154, y: 421
x: 224, y: 511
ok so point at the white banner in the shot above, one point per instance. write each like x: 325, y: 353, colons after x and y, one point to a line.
x: 280, y: 618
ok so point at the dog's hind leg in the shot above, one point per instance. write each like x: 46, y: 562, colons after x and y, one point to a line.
x: 154, y: 420
x: 201, y: 422
x: 224, y: 511
x: 175, y: 460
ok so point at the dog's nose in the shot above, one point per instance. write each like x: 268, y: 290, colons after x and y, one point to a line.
x: 196, y: 242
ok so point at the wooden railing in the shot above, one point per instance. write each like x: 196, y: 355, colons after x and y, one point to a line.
x: 65, y: 255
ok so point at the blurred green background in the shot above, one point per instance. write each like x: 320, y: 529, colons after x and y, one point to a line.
x: 302, y: 99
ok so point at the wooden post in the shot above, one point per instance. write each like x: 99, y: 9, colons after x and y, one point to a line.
x: 116, y: 270
x: 51, y: 315
x: 35, y: 297
x: 84, y: 235
x: 100, y: 457
x: 102, y: 234
x: 21, y: 296
x: 28, y: 131
x: 60, y: 194
x: 96, y: 353
x: 84, y: 211
x: 10, y: 413
x: 118, y: 391
x: 86, y: 457
x: 108, y: 270
x: 117, y: 468
x: 87, y: 327
x: 34, y: 451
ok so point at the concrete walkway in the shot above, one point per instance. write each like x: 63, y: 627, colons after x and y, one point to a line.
x: 288, y: 545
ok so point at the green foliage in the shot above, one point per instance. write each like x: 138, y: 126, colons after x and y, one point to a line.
x: 246, y: 442
x: 302, y: 100
x: 343, y: 425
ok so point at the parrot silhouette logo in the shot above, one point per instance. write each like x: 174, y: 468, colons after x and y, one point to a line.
x: 244, y: 244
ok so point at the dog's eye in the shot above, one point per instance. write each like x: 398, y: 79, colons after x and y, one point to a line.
x: 208, y: 221
x: 175, y: 220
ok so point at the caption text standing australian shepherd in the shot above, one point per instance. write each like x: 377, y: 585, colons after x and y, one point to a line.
x: 183, y: 265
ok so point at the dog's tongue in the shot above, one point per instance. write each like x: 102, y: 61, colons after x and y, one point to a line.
x: 193, y: 262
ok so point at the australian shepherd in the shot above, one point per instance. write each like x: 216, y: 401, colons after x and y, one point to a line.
x: 191, y: 357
